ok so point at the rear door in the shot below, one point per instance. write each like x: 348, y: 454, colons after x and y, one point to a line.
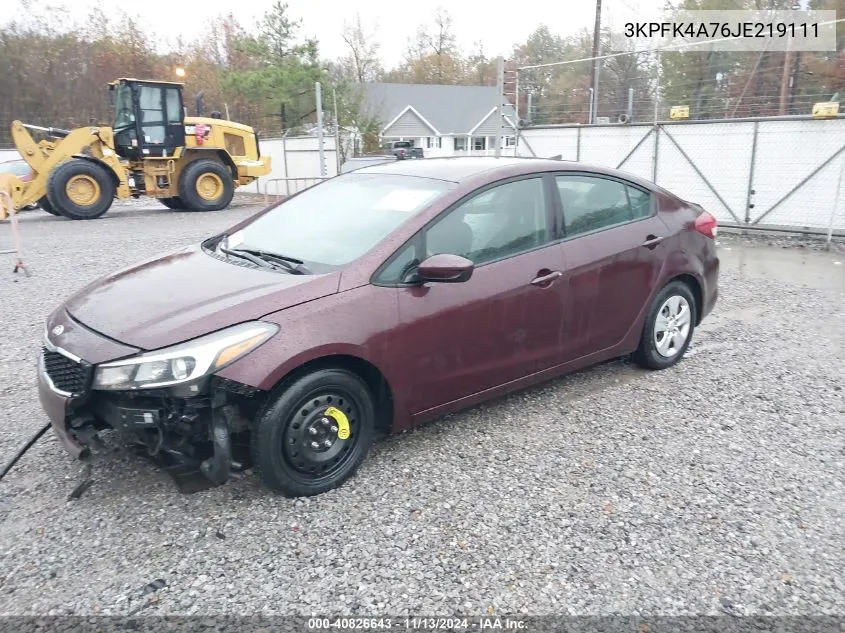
x: 506, y: 321
x: 614, y: 249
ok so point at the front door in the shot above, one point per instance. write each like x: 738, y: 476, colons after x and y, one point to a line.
x: 506, y: 321
x: 161, y: 119
x: 614, y: 251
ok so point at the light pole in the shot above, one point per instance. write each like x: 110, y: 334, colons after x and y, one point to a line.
x: 319, y: 95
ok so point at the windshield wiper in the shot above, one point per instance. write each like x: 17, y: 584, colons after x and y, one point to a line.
x: 262, y: 263
x: 295, y: 266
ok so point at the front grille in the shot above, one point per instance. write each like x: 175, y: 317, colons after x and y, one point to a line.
x: 65, y: 374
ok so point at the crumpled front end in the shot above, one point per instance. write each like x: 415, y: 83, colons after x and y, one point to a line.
x: 191, y: 423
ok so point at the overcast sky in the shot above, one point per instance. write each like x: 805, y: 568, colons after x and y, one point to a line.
x: 497, y: 24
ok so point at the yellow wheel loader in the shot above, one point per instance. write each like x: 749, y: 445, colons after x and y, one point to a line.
x: 152, y: 149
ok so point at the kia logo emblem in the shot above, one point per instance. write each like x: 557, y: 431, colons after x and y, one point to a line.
x: 57, y: 331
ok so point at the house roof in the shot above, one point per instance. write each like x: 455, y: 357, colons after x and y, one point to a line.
x: 448, y: 109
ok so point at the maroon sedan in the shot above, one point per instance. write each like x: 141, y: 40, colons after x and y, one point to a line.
x: 375, y: 301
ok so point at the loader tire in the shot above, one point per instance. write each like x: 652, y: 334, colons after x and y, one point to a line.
x: 45, y: 205
x: 206, y: 185
x: 174, y: 203
x: 80, y: 190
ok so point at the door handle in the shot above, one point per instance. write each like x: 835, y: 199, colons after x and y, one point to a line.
x: 651, y: 241
x: 547, y: 279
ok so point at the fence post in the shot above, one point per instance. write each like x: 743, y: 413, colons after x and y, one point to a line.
x: 578, y: 147
x: 500, y: 97
x: 654, y: 157
x: 515, y: 114
x: 657, y: 86
x: 319, y: 98
x: 656, y: 111
x: 285, y: 151
x: 748, y: 204
x: 838, y: 199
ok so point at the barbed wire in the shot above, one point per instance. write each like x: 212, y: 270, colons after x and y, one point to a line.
x: 712, y: 85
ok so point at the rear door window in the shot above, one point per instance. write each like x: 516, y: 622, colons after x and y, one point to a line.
x: 593, y: 203
x: 640, y: 202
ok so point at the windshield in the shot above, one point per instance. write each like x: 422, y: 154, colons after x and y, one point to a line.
x: 333, y: 223
x: 123, y: 111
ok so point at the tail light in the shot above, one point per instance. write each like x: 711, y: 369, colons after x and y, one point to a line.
x: 707, y: 225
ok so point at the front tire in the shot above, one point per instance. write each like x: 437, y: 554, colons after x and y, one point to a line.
x: 668, y: 327
x: 206, y: 185
x: 174, y: 203
x: 301, y: 445
x: 44, y: 203
x: 80, y: 189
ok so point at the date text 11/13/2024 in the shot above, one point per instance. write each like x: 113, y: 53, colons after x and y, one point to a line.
x: 482, y: 623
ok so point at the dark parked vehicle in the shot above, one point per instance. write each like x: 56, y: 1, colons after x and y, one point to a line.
x: 372, y: 302
x: 404, y: 149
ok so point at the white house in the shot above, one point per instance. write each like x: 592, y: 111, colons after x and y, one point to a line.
x: 444, y: 120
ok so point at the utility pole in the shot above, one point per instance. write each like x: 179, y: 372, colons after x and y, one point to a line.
x: 785, y: 78
x: 594, y: 99
x: 793, y: 81
x: 788, y: 78
x: 319, y: 94
x: 500, y: 97
x: 336, y: 129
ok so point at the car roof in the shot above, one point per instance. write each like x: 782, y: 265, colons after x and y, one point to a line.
x: 459, y: 168
x: 13, y: 164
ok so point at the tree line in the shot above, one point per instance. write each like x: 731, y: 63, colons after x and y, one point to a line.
x: 56, y: 70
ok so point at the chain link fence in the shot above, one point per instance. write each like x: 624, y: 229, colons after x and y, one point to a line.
x: 644, y: 86
x: 770, y: 173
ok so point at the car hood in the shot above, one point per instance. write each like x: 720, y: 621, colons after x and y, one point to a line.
x: 176, y: 297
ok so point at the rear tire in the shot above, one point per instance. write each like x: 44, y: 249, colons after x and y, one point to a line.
x: 80, y: 189
x: 206, y: 185
x: 44, y: 203
x: 174, y: 203
x: 297, y: 417
x: 668, y: 328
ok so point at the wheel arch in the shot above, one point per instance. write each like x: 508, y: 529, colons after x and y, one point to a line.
x: 193, y: 154
x: 372, y: 376
x: 694, y: 284
x: 96, y: 161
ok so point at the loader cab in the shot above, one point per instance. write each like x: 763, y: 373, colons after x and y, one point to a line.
x: 149, y: 118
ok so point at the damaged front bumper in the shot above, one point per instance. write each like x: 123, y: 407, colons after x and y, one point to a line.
x: 191, y: 424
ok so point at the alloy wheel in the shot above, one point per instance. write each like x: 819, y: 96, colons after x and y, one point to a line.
x: 672, y: 326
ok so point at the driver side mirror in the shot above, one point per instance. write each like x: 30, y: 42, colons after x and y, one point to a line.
x: 445, y: 268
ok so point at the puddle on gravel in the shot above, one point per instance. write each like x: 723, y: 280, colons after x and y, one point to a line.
x: 818, y: 269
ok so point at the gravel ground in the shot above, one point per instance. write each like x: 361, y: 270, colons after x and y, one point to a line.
x: 714, y: 487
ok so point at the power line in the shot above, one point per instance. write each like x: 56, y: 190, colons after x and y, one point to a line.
x: 653, y: 50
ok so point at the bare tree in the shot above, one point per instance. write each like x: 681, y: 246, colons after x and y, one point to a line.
x: 441, y: 39
x: 432, y: 55
x: 363, y: 60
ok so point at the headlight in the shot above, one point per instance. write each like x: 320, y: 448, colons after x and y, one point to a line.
x: 184, y: 362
